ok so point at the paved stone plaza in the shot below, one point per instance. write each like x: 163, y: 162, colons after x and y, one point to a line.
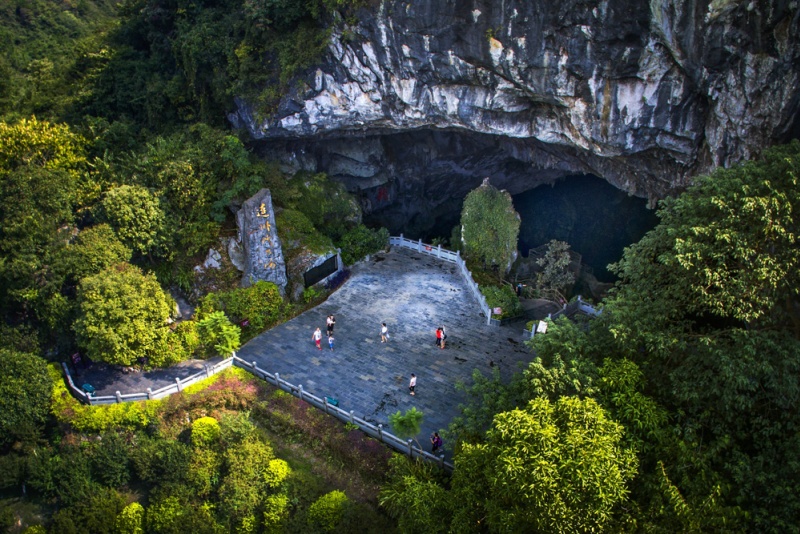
x: 413, y: 293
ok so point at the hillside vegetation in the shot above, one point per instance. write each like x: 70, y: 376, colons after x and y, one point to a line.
x: 676, y: 410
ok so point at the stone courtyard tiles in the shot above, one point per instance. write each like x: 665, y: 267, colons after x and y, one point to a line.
x: 413, y: 294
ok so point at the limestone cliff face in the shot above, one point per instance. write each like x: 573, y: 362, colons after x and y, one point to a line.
x: 642, y: 94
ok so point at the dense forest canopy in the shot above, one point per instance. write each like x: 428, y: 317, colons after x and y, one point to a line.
x: 674, y: 410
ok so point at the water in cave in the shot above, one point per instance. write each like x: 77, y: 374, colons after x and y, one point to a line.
x: 595, y: 218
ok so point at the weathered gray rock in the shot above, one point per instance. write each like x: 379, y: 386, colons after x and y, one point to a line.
x: 259, y: 238
x: 236, y: 254
x: 643, y: 94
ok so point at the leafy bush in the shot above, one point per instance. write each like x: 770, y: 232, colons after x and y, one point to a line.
x: 136, y: 216
x: 327, y: 204
x: 502, y: 297
x: 310, y: 294
x: 360, y: 241
x: 110, y: 461
x: 276, y: 510
x: 295, y: 229
x: 217, y: 331
x: 131, y: 519
x: 327, y: 512
x: 277, y: 473
x: 260, y: 304
x: 205, y: 432
x: 159, y: 461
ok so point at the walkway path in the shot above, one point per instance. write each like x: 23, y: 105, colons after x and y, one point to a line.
x: 412, y: 293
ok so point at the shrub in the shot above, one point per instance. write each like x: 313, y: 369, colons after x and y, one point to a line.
x: 277, y: 473
x: 261, y: 304
x: 327, y: 204
x: 110, y: 461
x: 326, y: 513
x: 276, y: 510
x: 360, y: 241
x: 131, y: 519
x: 295, y: 229
x: 205, y: 432
x: 217, y: 331
x: 502, y: 297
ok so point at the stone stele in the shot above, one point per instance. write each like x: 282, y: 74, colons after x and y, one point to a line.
x: 259, y: 238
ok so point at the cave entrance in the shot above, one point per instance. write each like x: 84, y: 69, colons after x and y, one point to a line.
x: 595, y: 218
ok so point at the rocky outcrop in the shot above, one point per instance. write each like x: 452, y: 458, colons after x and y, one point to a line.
x: 258, y: 236
x: 645, y: 95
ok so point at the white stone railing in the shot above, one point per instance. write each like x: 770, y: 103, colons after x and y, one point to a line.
x: 376, y: 431
x: 208, y: 370
x: 452, y: 257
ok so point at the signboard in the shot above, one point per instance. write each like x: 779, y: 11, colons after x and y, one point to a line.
x: 497, y: 311
x: 541, y: 328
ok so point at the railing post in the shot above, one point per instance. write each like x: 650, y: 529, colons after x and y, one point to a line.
x: 208, y: 370
x: 419, y: 246
x: 149, y: 393
x: 439, y: 251
x: 325, y: 404
x: 441, y: 461
x: 300, y: 391
x: 254, y: 368
x: 278, y: 380
x: 410, y: 449
x: 178, y: 382
x: 380, y: 432
x: 352, y: 422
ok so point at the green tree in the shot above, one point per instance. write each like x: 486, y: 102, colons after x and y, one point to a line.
x: 110, y: 462
x: 25, y: 388
x: 415, y: 496
x: 95, y: 248
x: 123, y: 315
x: 252, y: 474
x: 407, y: 425
x: 217, y: 331
x: 558, y: 467
x: 136, y: 216
x: 707, y: 311
x: 360, y: 241
x: 555, y: 274
x: 490, y: 227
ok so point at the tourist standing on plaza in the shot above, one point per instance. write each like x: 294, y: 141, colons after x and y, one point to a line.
x: 436, y: 442
x: 331, y: 322
x: 384, y: 333
x: 412, y: 384
x: 444, y: 336
x: 317, y: 337
x: 330, y: 341
x: 439, y: 337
